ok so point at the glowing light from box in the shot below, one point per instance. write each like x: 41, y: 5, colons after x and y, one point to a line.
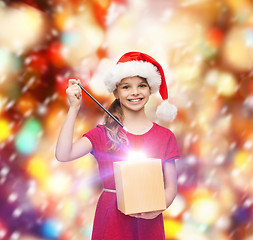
x: 136, y: 156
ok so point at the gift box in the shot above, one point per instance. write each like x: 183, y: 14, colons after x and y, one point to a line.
x: 139, y: 186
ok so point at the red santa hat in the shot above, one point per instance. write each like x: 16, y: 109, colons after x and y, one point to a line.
x: 140, y: 64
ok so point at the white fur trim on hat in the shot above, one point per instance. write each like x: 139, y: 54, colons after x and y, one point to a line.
x: 166, y: 111
x: 130, y: 69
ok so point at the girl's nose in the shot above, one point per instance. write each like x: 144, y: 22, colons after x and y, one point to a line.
x: 135, y: 91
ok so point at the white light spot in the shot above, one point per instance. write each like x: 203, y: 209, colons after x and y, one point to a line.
x: 2, y: 233
x: 15, y: 236
x: 133, y: 156
x: 4, y: 171
x: 182, y: 178
x: 13, y: 197
x: 17, y: 212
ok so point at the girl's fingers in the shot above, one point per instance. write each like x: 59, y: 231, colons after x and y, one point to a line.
x: 73, y: 81
x: 147, y: 215
x: 137, y: 215
x: 73, y: 87
x: 78, y: 95
x: 74, y: 90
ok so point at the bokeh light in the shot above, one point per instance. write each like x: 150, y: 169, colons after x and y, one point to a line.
x: 25, y: 27
x: 3, y: 230
x: 28, y: 137
x: 37, y: 167
x: 5, y: 129
x: 51, y: 229
x: 57, y: 183
x: 237, y: 52
x: 172, y: 228
x: 205, y: 210
x: 206, y: 50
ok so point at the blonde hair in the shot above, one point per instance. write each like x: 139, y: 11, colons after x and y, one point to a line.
x: 112, y: 128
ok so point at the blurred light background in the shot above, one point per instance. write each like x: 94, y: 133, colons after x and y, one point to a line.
x: 206, y: 49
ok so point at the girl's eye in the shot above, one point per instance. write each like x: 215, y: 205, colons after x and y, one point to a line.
x: 125, y: 87
x: 143, y: 85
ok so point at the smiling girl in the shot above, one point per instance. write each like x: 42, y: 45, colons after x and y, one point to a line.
x: 135, y: 76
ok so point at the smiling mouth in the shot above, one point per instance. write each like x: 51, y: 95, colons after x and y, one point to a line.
x: 135, y: 100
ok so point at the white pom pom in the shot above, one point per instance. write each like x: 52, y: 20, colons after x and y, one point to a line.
x: 166, y: 111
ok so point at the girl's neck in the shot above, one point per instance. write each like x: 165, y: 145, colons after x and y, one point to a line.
x: 137, y: 123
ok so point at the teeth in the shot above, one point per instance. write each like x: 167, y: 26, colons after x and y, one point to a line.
x: 135, y: 100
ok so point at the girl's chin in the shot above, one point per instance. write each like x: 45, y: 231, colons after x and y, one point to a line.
x: 134, y: 108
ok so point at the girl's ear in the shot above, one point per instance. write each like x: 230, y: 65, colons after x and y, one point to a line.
x: 115, y: 93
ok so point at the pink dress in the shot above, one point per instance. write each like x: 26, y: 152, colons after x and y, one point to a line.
x: 109, y: 222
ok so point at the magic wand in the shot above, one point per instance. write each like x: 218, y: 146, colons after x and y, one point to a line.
x: 100, y: 105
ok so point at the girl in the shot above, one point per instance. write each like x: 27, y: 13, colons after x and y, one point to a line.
x: 135, y: 76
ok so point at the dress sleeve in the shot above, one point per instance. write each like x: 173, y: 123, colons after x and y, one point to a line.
x: 95, y: 136
x: 172, y: 151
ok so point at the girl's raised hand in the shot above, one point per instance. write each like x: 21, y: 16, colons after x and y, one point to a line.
x: 74, y: 93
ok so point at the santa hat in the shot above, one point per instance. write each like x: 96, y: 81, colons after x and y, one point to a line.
x: 140, y: 64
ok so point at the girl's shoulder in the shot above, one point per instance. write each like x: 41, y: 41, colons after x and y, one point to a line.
x: 165, y: 136
x: 99, y: 130
x: 97, y: 136
x: 100, y: 127
x: 161, y: 129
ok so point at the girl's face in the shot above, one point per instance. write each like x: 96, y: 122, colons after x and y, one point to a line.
x: 133, y: 93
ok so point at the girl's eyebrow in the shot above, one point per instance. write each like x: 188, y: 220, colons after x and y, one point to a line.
x: 125, y: 83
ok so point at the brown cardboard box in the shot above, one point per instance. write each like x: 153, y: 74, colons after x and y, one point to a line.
x: 139, y: 186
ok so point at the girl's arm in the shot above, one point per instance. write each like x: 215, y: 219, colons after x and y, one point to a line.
x: 170, y: 182
x: 66, y: 150
x: 170, y: 185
